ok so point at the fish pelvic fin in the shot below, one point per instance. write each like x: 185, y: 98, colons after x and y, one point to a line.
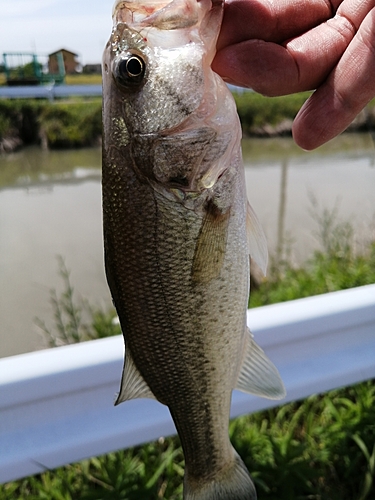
x: 256, y: 240
x: 133, y: 385
x: 258, y: 375
x: 232, y: 483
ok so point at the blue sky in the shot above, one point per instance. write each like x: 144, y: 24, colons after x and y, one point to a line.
x: 43, y: 26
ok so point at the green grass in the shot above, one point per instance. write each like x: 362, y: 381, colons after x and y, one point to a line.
x: 336, y: 266
x: 78, y: 79
x: 60, y: 124
x: 256, y: 111
x: 83, y: 79
x: 321, y: 448
x: 71, y: 124
x: 74, y: 319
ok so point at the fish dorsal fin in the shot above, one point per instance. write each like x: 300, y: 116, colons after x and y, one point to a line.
x: 133, y: 385
x: 256, y: 240
x: 258, y: 375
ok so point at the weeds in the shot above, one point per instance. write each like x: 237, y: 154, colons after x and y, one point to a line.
x: 153, y: 471
x: 56, y: 125
x: 75, y: 320
x: 65, y: 125
x: 310, y: 452
x: 336, y: 266
x: 370, y: 473
x: 256, y: 111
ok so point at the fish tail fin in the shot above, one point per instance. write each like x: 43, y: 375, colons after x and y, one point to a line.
x: 232, y: 483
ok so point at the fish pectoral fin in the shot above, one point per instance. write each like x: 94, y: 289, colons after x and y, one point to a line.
x: 133, y: 385
x: 258, y: 375
x: 256, y: 240
x: 211, y: 245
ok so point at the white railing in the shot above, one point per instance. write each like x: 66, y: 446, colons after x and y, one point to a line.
x: 53, y: 91
x: 56, y: 406
x: 49, y: 91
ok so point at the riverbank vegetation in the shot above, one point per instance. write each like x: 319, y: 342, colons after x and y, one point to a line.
x: 322, y: 448
x: 77, y: 122
x: 60, y: 124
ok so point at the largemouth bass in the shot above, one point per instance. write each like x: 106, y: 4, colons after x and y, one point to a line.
x: 178, y: 233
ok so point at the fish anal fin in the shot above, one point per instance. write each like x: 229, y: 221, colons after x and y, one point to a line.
x: 211, y: 245
x: 256, y: 240
x: 133, y: 385
x: 258, y: 375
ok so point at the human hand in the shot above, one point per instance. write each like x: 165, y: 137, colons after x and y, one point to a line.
x: 286, y: 46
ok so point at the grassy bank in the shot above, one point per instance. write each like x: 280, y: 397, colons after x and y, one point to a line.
x: 266, y: 116
x: 61, y: 124
x: 75, y: 79
x: 341, y: 263
x: 322, y: 448
x: 77, y: 122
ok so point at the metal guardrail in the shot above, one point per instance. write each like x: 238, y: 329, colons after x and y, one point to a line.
x: 56, y: 406
x: 53, y: 91
x: 49, y: 91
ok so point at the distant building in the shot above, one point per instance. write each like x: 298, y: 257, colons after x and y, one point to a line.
x: 64, y: 58
x: 91, y: 69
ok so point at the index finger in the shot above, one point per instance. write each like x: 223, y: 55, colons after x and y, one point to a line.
x: 301, y: 63
x: 345, y: 93
x: 272, y: 22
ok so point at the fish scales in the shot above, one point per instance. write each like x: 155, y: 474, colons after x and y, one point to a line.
x: 163, y: 319
x: 176, y: 233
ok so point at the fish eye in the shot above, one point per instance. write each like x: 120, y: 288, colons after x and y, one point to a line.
x: 129, y: 70
x: 134, y: 66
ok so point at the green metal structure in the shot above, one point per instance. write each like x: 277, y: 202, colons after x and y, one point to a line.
x: 23, y: 68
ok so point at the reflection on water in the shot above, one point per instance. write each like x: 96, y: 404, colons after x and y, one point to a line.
x: 36, y: 166
x: 50, y: 204
x: 289, y: 191
x: 282, y: 211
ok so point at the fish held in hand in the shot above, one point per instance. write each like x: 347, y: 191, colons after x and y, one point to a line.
x: 178, y: 232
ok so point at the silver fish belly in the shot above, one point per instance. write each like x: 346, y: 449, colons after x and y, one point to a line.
x: 178, y: 232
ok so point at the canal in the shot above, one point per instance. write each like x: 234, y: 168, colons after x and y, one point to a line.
x: 50, y: 206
